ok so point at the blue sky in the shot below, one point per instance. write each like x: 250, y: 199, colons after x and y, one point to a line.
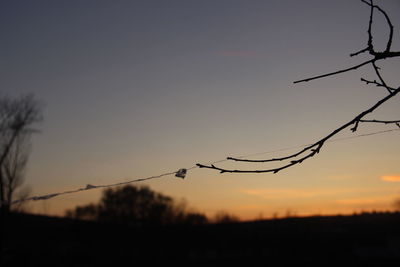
x: 138, y: 88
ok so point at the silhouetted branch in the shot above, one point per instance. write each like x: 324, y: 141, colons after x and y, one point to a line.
x: 359, y: 52
x: 380, y: 121
x: 313, y: 149
x: 370, y: 47
x: 335, y: 72
x: 310, y: 150
x: 378, y: 84
x: 389, y: 42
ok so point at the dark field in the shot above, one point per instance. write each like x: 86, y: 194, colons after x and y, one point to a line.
x: 360, y: 240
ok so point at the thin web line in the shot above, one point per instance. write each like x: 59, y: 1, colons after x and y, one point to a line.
x: 306, y: 145
x: 90, y: 186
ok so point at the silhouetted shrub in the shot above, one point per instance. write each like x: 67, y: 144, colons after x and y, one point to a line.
x: 137, y: 206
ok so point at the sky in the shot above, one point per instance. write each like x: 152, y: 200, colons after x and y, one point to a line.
x: 132, y: 89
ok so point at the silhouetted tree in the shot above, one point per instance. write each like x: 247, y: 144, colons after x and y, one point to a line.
x: 87, y: 212
x: 137, y: 205
x: 313, y: 149
x: 396, y: 205
x: 14, y: 167
x: 17, y: 116
x: 224, y: 217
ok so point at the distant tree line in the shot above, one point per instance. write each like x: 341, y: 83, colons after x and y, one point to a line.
x: 141, y: 206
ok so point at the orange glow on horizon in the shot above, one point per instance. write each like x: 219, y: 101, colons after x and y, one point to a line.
x: 391, y: 178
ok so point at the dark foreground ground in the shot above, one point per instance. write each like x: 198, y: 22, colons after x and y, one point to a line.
x: 362, y: 240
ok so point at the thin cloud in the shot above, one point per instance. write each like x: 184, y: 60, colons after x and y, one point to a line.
x: 366, y: 201
x: 356, y: 201
x: 283, y: 193
x: 391, y: 178
x: 292, y: 193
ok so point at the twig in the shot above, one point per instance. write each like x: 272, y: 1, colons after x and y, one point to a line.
x: 377, y: 84
x: 376, y: 68
x: 380, y: 121
x: 391, y: 28
x: 335, y: 72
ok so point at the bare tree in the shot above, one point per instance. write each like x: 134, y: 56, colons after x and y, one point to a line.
x: 14, y: 167
x: 17, y: 116
x: 353, y: 124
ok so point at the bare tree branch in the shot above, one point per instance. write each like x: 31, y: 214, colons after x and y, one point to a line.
x: 370, y: 47
x: 335, y: 72
x: 315, y: 148
x: 376, y: 68
x: 391, y: 28
x: 391, y: 89
x: 310, y: 150
x: 380, y: 121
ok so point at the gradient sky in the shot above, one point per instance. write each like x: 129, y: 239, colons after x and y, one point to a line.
x: 137, y: 88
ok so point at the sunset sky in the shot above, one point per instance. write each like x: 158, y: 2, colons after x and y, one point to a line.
x: 133, y: 89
